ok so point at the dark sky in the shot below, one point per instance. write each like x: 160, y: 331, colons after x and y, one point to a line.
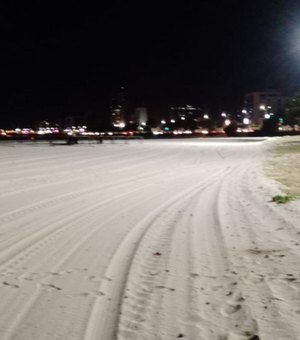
x: 60, y: 59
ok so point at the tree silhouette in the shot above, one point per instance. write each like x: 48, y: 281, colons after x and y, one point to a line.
x: 293, y: 110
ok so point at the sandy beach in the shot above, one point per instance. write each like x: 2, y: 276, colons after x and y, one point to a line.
x: 151, y: 240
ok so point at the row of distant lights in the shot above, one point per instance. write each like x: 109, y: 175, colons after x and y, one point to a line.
x: 227, y: 121
x: 175, y: 132
x: 76, y: 130
x: 121, y: 125
x: 82, y: 129
x: 182, y: 118
x: 205, y: 116
x: 50, y: 130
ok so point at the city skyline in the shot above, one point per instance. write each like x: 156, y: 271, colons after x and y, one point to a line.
x: 72, y: 60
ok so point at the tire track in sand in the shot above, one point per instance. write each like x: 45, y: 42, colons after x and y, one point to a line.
x: 104, y: 318
x: 34, y: 296
x: 181, y: 271
x: 28, y: 305
x: 61, y: 225
x: 168, y: 292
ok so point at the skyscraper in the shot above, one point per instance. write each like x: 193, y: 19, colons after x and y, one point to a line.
x: 118, y: 109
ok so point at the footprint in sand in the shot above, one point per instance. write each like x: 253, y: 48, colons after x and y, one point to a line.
x: 95, y: 293
x: 230, y: 309
x: 11, y: 285
x: 234, y: 304
x: 50, y: 287
x: 194, y: 275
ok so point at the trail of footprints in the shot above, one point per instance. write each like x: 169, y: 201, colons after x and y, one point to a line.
x: 234, y: 308
x: 43, y: 281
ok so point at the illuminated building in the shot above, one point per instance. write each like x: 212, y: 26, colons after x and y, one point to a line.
x: 141, y: 115
x: 261, y: 105
x: 186, y: 112
x: 118, y: 110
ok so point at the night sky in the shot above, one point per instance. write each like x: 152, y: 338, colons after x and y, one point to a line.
x: 63, y: 59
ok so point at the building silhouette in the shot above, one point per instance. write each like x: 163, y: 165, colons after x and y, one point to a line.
x: 118, y: 109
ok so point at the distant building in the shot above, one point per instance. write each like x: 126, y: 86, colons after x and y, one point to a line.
x: 186, y: 112
x: 118, y: 109
x: 141, y: 115
x: 261, y: 105
x: 69, y: 121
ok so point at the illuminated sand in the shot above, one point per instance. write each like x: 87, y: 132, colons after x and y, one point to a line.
x: 152, y: 240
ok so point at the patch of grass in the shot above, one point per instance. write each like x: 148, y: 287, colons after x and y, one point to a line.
x: 286, y: 149
x: 280, y: 199
x: 283, y: 165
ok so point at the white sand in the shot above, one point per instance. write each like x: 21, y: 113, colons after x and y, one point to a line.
x: 153, y: 240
